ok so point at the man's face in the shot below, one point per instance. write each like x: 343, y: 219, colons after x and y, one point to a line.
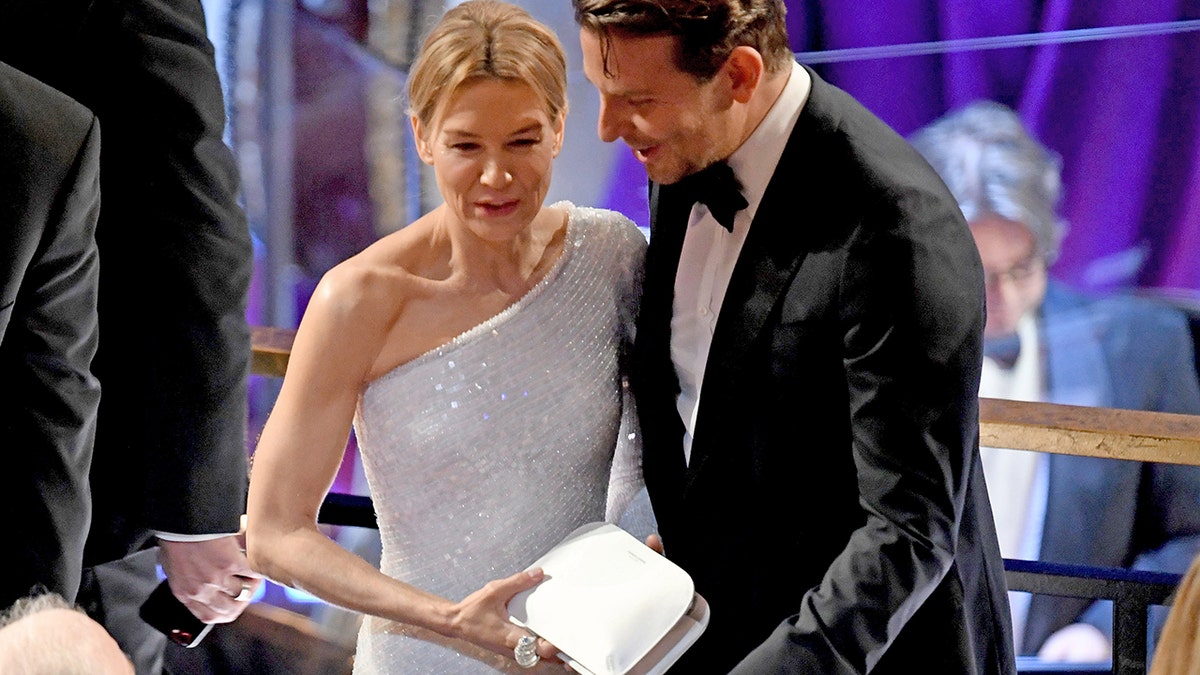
x: 1014, y: 274
x: 675, y: 124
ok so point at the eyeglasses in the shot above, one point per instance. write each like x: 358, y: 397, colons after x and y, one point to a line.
x: 1019, y: 274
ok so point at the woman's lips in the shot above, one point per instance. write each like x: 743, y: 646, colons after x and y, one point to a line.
x: 498, y: 208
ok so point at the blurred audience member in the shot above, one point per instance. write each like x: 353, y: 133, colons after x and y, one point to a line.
x: 50, y: 173
x: 170, y: 454
x: 1044, y: 342
x: 1178, y: 650
x: 44, y: 635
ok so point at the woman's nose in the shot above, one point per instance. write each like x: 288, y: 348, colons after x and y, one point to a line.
x: 496, y: 174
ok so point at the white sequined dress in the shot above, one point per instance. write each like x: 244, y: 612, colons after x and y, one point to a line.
x: 484, y: 452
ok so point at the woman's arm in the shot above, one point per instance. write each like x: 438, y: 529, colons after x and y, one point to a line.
x: 298, y: 456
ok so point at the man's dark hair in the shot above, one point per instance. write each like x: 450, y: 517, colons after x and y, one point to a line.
x: 708, y: 30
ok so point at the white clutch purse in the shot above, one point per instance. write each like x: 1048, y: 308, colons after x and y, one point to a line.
x: 611, y: 605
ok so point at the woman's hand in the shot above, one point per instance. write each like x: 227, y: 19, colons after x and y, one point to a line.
x: 482, y: 617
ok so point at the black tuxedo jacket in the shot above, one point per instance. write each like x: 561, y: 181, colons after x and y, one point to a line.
x: 834, y: 512
x: 49, y: 201
x: 176, y: 260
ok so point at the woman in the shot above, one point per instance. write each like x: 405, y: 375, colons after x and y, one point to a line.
x: 477, y: 353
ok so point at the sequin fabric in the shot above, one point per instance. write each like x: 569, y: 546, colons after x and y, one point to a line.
x: 483, y: 453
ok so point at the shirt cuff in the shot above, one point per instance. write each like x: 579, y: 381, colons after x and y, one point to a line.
x: 171, y: 536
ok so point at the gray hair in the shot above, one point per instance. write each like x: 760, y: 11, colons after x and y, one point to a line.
x: 40, y: 601
x: 57, y: 647
x: 993, y: 166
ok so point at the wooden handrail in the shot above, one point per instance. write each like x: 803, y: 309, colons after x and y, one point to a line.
x: 1044, y: 427
x: 1093, y: 432
x: 269, y: 348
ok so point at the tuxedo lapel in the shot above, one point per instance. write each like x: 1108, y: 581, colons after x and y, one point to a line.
x: 770, y: 257
x: 1076, y: 374
x: 1076, y: 368
x: 793, y: 212
x: 668, y: 224
x: 1072, y: 360
x: 1063, y: 540
x: 653, y: 376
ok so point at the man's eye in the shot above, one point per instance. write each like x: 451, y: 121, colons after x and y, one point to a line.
x: 525, y: 142
x: 465, y: 147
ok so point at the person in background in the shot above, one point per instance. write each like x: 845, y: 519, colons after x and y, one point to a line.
x: 43, y: 634
x: 169, y: 464
x: 807, y: 355
x: 1045, y: 342
x: 477, y: 353
x: 50, y: 173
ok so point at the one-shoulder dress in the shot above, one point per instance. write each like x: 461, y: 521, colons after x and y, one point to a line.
x: 484, y: 452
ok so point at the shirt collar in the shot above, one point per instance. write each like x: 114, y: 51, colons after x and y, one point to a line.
x: 755, y: 161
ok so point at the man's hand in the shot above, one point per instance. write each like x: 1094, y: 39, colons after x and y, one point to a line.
x: 211, y: 577
x: 1076, y: 643
x: 655, y: 543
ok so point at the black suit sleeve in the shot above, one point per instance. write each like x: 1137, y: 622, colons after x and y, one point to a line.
x: 48, y: 331
x: 911, y: 318
x: 176, y: 269
x: 170, y: 451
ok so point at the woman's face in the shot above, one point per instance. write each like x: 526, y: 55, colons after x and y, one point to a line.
x: 491, y: 148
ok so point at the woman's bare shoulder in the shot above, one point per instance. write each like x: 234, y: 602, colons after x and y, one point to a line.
x: 374, y: 284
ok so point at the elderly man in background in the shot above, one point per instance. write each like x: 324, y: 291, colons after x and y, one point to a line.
x: 1044, y: 342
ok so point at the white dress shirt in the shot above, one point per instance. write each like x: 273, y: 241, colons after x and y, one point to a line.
x: 710, y: 251
x: 1018, y: 481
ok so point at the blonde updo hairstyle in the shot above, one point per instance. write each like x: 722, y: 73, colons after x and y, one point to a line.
x: 487, y: 39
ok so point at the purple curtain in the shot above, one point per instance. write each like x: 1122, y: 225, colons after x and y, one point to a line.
x: 1123, y: 112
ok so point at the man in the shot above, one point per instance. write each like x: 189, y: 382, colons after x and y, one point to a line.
x: 806, y: 382
x: 175, y: 254
x: 44, y: 635
x: 50, y: 173
x: 1046, y: 343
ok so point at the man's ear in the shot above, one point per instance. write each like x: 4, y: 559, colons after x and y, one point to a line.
x: 424, y: 150
x: 744, y: 70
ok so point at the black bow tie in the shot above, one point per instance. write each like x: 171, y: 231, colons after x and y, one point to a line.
x: 1003, y: 350
x: 717, y: 188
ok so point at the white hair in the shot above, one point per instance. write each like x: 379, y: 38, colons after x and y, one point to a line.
x: 993, y: 166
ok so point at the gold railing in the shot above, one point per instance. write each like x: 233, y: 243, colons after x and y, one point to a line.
x: 1045, y: 427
